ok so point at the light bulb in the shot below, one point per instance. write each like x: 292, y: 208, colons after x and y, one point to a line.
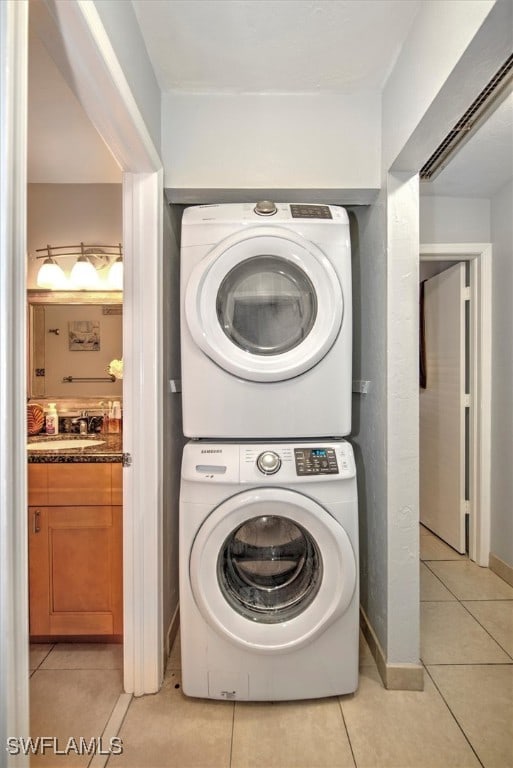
x: 115, y: 277
x: 83, y: 275
x: 51, y: 276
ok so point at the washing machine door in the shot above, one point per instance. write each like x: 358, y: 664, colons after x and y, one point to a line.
x: 271, y: 569
x: 265, y: 304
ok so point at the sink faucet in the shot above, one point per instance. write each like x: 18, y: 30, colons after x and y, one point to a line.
x: 83, y: 423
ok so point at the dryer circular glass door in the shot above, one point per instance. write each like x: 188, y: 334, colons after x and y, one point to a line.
x: 270, y: 569
x: 265, y: 304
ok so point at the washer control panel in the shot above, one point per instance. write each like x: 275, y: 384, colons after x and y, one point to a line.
x: 316, y: 461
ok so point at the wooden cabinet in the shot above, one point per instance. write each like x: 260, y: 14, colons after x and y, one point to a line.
x: 75, y: 550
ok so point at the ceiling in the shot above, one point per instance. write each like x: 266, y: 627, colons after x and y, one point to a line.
x: 254, y: 46
x: 484, y: 164
x: 292, y: 46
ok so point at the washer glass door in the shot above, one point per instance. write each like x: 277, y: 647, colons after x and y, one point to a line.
x: 269, y: 569
x: 264, y: 304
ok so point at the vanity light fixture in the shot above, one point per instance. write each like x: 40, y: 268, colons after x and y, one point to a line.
x: 84, y: 274
x: 51, y: 276
x: 115, y: 278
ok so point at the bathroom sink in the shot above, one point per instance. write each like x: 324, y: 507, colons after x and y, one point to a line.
x: 61, y: 445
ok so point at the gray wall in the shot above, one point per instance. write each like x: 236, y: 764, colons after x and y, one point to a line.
x: 501, y: 543
x: 369, y: 431
x: 454, y: 219
x: 172, y: 412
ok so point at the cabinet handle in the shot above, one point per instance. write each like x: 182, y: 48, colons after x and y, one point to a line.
x: 37, y: 518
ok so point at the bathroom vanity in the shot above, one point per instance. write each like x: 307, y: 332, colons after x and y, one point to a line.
x: 76, y: 539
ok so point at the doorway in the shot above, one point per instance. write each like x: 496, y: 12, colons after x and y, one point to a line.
x: 478, y: 258
x: 104, y: 93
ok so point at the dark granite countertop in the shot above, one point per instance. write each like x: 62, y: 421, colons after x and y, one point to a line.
x: 110, y: 451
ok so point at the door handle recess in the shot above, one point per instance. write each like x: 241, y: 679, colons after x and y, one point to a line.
x: 37, y: 521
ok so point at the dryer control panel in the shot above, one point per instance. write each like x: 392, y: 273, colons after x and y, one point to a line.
x: 316, y: 461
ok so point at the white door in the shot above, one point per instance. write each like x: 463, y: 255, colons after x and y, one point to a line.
x: 265, y: 304
x: 442, y: 408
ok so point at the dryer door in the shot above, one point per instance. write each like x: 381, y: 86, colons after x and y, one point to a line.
x: 265, y: 304
x: 271, y: 569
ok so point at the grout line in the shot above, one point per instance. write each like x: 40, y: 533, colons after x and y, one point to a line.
x: 233, y: 729
x: 454, y: 716
x: 486, y: 630
x: 442, y: 582
x: 468, y: 663
x: 346, y: 728
x: 43, y: 659
x: 112, y: 728
x: 443, y: 585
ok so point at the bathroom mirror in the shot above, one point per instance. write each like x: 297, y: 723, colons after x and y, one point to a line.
x: 73, y: 336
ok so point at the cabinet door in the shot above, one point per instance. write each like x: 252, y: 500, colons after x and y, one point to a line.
x: 75, y: 556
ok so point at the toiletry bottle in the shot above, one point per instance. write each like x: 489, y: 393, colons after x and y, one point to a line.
x: 105, y: 421
x: 52, y: 420
x: 116, y: 417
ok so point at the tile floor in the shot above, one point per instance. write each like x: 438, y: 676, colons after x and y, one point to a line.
x: 463, y: 718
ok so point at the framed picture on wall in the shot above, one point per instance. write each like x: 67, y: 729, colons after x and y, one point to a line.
x: 84, y: 335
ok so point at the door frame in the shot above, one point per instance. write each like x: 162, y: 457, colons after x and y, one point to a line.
x: 14, y: 659
x: 480, y: 257
x: 101, y: 87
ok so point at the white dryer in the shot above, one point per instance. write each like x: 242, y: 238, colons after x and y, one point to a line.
x: 266, y: 321
x: 268, y: 570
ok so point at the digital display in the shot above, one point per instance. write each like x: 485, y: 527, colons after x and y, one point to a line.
x: 316, y: 461
x: 310, y: 211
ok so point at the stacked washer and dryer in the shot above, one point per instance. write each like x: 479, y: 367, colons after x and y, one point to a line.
x: 268, y: 504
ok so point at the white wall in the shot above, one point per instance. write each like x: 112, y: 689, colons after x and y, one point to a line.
x: 124, y: 33
x: 454, y: 219
x: 270, y: 141
x: 501, y: 543
x: 403, y: 417
x: 67, y: 214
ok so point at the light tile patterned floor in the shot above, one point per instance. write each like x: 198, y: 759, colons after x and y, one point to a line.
x: 463, y: 718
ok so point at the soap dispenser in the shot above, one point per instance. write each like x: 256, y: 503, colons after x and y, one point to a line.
x: 52, y: 420
x: 115, y: 418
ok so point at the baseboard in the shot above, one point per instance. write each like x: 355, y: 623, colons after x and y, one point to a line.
x: 171, y: 632
x: 501, y: 568
x: 395, y: 677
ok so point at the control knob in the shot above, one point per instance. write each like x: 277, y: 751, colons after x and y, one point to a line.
x: 265, y: 208
x: 268, y: 462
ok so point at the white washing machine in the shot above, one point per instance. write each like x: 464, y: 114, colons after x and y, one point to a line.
x: 266, y: 321
x: 268, y: 570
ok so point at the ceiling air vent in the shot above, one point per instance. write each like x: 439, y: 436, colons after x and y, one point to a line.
x: 492, y: 94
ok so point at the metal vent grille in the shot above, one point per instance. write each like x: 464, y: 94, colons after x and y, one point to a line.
x: 469, y: 121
